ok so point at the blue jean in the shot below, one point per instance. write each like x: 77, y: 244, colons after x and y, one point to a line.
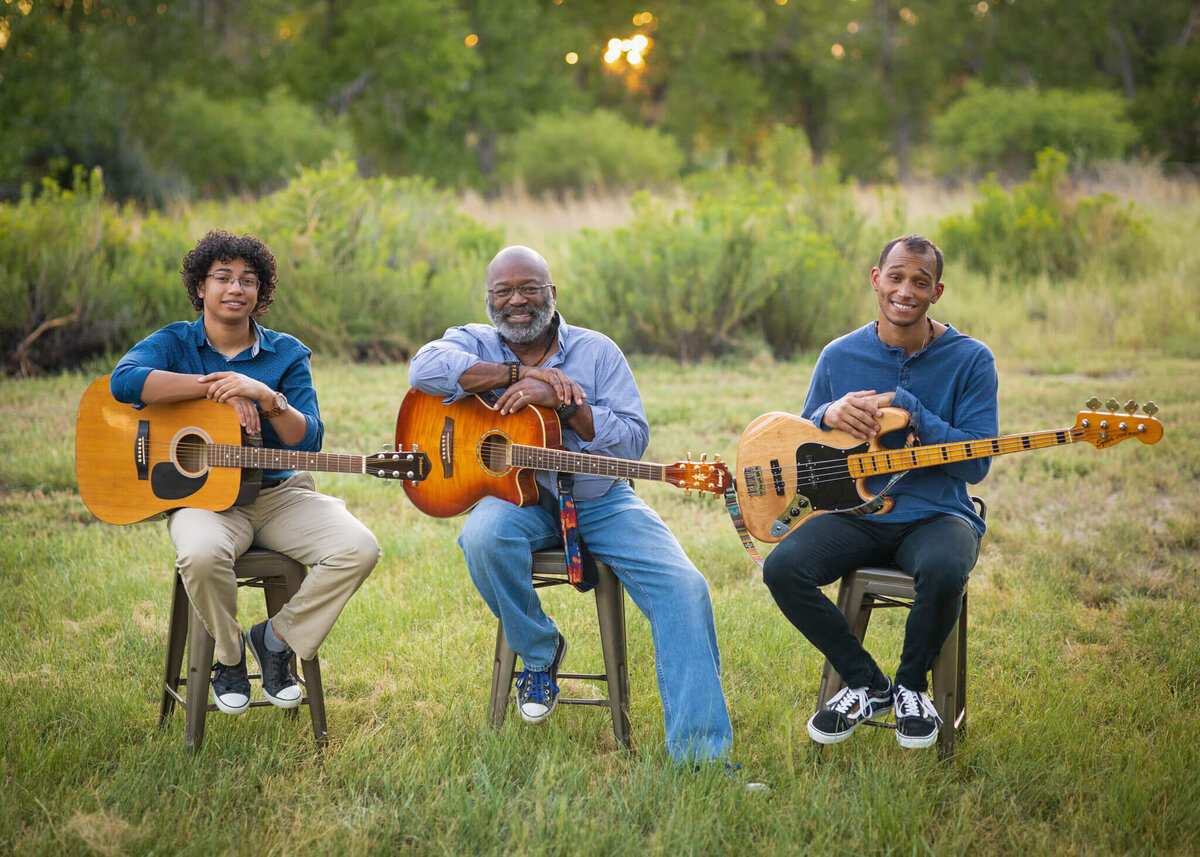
x: 626, y: 534
x: 938, y: 552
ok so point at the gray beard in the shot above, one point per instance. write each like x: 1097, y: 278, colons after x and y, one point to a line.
x: 522, y: 334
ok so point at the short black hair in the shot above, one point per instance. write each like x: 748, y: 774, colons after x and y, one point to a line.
x: 918, y: 244
x: 221, y: 246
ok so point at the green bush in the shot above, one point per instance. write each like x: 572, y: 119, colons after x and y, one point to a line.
x: 1043, y: 227
x: 992, y: 129
x: 234, y: 145
x: 742, y: 261
x: 372, y: 268
x: 72, y: 281
x: 585, y: 151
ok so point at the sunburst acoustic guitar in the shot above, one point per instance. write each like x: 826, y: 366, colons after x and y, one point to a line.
x: 134, y: 464
x: 791, y: 470
x: 475, y: 452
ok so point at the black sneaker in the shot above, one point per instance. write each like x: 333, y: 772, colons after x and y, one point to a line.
x: 916, y: 718
x: 278, y: 683
x: 537, y: 690
x: 848, y: 708
x: 230, y: 686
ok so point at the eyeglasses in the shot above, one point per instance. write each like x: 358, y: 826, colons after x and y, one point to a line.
x: 506, y: 292
x: 248, y: 281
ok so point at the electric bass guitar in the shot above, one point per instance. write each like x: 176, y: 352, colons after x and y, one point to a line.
x: 477, y: 453
x: 792, y: 470
x: 134, y: 464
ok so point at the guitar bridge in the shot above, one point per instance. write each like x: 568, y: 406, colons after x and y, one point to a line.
x: 754, y: 481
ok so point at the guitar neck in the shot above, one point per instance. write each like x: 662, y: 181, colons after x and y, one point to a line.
x: 261, y: 458
x: 909, y: 458
x: 564, y: 461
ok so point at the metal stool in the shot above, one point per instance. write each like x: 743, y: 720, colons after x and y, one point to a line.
x: 279, y: 577
x: 549, y: 569
x: 875, y: 588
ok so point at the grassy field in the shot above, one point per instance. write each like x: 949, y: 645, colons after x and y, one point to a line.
x: 1083, y: 651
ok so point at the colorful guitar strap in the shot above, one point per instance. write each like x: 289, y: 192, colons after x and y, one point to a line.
x: 581, y: 566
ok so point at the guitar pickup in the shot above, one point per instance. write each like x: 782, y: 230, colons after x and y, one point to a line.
x: 754, y: 480
x: 777, y: 476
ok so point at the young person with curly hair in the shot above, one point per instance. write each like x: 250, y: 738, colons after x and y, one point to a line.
x: 227, y: 356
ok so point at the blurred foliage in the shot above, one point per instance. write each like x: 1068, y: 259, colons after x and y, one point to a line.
x: 586, y: 152
x: 438, y: 87
x: 1044, y: 226
x: 999, y: 130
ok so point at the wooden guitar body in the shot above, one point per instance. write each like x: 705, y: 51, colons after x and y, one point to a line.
x: 468, y: 444
x: 780, y: 458
x: 131, y: 466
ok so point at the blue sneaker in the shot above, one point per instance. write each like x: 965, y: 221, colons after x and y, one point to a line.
x: 278, y: 682
x: 231, y: 686
x: 537, y: 690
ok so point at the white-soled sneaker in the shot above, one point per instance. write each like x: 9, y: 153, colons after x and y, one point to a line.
x: 850, y: 706
x: 916, y: 718
x: 230, y: 686
x: 278, y: 682
x: 537, y: 690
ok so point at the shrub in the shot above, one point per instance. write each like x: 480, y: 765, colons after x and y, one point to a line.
x: 584, y: 151
x: 234, y: 145
x: 745, y: 262
x: 1043, y: 227
x: 992, y: 129
x: 72, y: 283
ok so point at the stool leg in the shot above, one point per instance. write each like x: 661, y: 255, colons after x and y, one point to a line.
x: 315, y: 697
x: 610, y: 614
x: 177, y: 632
x: 960, y: 715
x: 945, y: 691
x: 503, y: 664
x: 850, y: 601
x: 200, y: 659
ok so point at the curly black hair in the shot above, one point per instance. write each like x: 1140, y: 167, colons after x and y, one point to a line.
x: 221, y: 246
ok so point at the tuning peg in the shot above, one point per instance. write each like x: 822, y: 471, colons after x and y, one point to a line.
x: 1131, y: 406
x: 703, y: 457
x: 1150, y: 408
x: 1093, y: 403
x: 717, y: 457
x: 1112, y: 404
x: 387, y: 447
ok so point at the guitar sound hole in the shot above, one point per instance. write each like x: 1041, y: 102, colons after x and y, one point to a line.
x: 493, y: 454
x: 190, y: 455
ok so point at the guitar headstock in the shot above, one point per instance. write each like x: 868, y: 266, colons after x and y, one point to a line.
x: 1106, y: 428
x: 411, y: 466
x: 708, y: 476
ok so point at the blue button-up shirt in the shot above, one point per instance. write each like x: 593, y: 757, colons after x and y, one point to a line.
x: 590, y: 358
x: 949, y: 388
x: 279, y: 360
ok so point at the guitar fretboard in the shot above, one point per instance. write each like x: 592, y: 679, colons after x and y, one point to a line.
x: 540, y: 458
x: 226, y: 455
x: 895, y: 460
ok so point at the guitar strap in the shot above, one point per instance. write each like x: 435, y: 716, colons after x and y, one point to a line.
x: 581, y: 565
x: 872, y: 505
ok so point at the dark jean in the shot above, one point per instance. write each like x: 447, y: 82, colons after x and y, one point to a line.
x: 938, y: 552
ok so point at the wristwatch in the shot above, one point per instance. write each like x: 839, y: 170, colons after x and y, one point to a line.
x: 281, y: 405
x: 566, y: 411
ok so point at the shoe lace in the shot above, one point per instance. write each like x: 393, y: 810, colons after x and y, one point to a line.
x: 535, y: 686
x: 910, y: 703
x: 280, y: 668
x: 850, y: 699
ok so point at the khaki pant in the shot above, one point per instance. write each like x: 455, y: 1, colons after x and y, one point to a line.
x: 293, y: 519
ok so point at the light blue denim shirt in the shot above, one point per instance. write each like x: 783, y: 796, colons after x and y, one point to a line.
x: 949, y: 388
x: 590, y: 358
x: 279, y: 360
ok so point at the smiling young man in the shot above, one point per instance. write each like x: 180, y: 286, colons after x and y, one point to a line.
x: 947, y: 382
x: 530, y: 356
x: 226, y: 356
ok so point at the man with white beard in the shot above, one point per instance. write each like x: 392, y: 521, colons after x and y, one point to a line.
x: 530, y: 355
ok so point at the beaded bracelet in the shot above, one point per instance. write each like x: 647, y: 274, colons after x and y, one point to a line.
x: 514, y: 371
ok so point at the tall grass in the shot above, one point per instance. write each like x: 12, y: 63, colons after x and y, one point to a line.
x: 1082, y: 654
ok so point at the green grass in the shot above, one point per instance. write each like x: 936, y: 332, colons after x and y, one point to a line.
x: 1081, y: 685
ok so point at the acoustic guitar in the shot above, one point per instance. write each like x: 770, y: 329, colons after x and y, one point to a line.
x: 792, y: 470
x: 134, y: 464
x: 476, y: 452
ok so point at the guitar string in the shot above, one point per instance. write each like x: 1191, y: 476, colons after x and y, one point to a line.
x: 830, y: 471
